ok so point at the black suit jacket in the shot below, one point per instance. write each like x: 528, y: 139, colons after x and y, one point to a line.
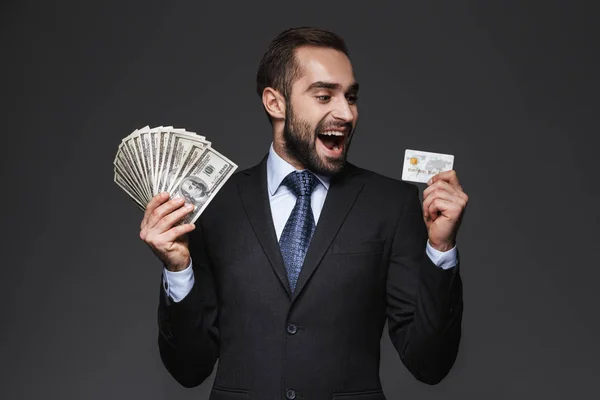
x: 366, y: 262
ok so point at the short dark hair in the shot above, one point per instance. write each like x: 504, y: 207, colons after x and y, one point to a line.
x: 278, y: 68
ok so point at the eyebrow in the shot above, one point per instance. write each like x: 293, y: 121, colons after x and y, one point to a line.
x: 331, y: 86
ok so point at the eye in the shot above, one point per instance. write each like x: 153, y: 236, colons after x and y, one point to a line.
x: 352, y: 98
x: 324, y: 98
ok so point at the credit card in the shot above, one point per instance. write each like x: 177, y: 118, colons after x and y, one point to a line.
x: 420, y: 166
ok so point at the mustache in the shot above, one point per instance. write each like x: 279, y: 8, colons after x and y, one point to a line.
x: 347, y: 127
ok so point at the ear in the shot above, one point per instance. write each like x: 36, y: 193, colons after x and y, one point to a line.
x: 274, y: 103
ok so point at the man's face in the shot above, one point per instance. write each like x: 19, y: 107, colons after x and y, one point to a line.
x: 321, y: 113
x: 194, y: 189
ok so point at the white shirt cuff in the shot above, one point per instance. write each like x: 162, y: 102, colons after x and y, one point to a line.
x: 442, y: 259
x: 178, y: 284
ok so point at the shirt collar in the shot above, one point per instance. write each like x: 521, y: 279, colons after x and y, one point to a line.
x: 278, y: 169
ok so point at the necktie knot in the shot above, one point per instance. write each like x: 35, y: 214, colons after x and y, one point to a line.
x: 300, y: 183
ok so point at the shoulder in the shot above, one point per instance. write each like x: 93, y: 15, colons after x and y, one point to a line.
x: 382, y: 198
x: 239, y: 176
x: 228, y: 195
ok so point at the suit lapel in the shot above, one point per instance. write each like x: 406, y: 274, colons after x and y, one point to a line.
x: 254, y: 193
x: 341, y: 196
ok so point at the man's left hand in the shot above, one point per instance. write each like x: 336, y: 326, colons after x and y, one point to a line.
x: 444, y: 203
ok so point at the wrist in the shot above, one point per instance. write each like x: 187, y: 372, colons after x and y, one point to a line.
x: 179, y: 266
x: 442, y: 246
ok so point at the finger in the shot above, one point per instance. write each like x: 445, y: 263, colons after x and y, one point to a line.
x: 171, y: 219
x: 152, y: 204
x: 165, y: 209
x: 440, y: 185
x: 450, y: 209
x: 435, y: 195
x: 176, y: 232
x: 438, y: 207
x: 448, y: 176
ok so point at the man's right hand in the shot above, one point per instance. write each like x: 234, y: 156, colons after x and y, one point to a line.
x: 158, y: 230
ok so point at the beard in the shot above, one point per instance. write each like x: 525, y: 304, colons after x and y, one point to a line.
x: 300, y: 143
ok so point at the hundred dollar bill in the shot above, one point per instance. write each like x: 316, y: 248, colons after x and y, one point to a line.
x: 196, y: 151
x: 126, y: 185
x: 119, y: 181
x: 120, y: 162
x: 153, y: 136
x: 161, y: 144
x: 165, y: 158
x: 122, y: 170
x: 204, y: 179
x: 135, y: 148
x: 131, y: 153
x: 146, y: 156
x: 180, y: 148
x: 163, y: 167
x: 130, y: 165
x: 151, y: 160
x: 150, y: 146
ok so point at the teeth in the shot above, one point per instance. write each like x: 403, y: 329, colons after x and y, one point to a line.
x: 333, y: 133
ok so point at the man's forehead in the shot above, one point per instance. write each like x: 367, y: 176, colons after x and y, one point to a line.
x: 319, y: 64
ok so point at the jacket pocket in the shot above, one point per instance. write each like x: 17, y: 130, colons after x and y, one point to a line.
x: 365, y: 247
x: 364, y: 395
x: 222, y: 393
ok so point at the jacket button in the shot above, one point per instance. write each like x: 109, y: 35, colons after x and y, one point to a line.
x: 292, y: 329
x: 290, y: 394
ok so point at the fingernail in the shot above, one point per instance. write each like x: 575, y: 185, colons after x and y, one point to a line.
x: 429, y: 182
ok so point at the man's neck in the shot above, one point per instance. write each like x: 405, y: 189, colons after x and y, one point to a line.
x: 280, y: 150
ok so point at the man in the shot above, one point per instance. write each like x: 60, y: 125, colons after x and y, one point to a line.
x: 194, y: 191
x: 291, y: 271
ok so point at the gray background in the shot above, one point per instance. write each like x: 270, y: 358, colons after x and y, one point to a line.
x: 510, y: 88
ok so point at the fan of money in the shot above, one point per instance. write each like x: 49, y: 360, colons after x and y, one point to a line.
x: 166, y: 159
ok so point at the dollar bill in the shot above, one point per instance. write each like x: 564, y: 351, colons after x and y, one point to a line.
x: 204, y: 179
x: 153, y: 134
x: 119, y: 181
x: 133, y: 161
x: 146, y: 157
x: 160, y: 153
x: 153, y: 160
x: 135, y: 149
x: 180, y: 148
x: 165, y: 168
x: 122, y: 169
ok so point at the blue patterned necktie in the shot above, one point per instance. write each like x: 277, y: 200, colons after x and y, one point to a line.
x: 300, y: 226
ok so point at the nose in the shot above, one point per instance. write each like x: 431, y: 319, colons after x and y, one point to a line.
x: 342, y: 111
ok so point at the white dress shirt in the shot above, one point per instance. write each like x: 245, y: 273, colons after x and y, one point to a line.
x: 282, y: 201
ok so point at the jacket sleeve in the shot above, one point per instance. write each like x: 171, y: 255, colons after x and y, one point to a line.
x: 424, y: 302
x: 188, y: 337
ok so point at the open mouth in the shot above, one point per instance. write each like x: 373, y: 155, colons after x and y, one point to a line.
x: 332, y: 142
